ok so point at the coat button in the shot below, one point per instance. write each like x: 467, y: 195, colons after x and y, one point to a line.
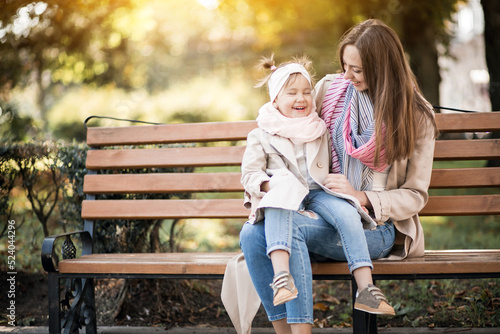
x: 319, y: 164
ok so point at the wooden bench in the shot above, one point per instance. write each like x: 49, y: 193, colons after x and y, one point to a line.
x: 221, y: 145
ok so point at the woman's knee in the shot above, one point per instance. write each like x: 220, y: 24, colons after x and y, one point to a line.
x: 250, y: 235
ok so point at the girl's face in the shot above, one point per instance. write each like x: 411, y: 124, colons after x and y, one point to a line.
x: 295, y: 98
x: 353, y: 68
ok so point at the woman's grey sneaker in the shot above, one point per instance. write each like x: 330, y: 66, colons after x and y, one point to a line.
x: 372, y: 300
x: 283, y: 288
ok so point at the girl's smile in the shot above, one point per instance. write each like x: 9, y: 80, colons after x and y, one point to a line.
x: 295, y: 99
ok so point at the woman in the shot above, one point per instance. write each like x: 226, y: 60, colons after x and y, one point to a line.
x: 383, y: 134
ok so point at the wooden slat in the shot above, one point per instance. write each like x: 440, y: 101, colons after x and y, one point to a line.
x: 169, y: 133
x: 465, y: 177
x: 230, y: 131
x: 149, y: 263
x: 467, y: 205
x: 161, y: 183
x: 434, y: 262
x: 476, y: 149
x: 233, y: 208
x: 230, y: 182
x: 232, y: 155
x: 165, y: 157
x: 468, y: 122
x: 163, y: 209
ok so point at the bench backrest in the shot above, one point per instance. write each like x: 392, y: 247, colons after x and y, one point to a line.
x: 212, y: 148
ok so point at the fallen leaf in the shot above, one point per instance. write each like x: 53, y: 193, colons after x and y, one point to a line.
x: 330, y: 299
x: 320, y: 307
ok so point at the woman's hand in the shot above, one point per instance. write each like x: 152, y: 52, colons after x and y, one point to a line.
x: 340, y: 184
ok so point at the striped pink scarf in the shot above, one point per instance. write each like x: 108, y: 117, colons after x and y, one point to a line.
x: 359, y: 110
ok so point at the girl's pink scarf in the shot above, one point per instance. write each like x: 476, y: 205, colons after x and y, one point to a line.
x: 299, y: 130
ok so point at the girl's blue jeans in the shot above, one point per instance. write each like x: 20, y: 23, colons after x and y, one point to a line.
x: 335, y: 233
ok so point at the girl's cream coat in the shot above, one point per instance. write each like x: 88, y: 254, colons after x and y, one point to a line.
x: 272, y: 158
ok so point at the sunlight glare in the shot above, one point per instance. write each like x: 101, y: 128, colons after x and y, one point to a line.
x: 209, y: 4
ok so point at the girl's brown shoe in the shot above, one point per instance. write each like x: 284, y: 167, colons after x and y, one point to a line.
x: 283, y: 288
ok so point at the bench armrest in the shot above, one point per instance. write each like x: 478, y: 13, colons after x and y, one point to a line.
x: 50, y: 260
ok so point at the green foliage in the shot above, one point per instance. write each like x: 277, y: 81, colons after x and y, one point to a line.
x: 71, y: 158
x: 35, y: 166
x: 7, y: 181
x: 14, y: 126
x: 198, y: 100
x: 277, y: 27
x: 71, y: 39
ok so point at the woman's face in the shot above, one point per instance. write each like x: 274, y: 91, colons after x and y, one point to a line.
x: 295, y: 98
x: 353, y: 67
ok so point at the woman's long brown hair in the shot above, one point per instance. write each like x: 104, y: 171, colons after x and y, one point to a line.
x: 392, y: 87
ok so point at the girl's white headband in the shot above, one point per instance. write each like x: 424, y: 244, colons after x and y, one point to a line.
x: 280, y: 76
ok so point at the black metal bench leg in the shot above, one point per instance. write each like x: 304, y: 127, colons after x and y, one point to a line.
x: 89, y: 311
x: 362, y: 322
x: 54, y: 311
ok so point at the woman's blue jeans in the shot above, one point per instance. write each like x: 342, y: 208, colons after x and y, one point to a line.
x: 316, y: 236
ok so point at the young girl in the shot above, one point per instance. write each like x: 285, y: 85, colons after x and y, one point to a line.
x: 283, y: 169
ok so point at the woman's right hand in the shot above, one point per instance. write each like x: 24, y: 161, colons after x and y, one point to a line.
x: 340, y: 184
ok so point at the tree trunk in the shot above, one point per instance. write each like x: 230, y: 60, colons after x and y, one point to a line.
x: 491, y: 10
x: 419, y: 40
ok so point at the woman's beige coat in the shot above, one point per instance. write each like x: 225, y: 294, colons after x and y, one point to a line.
x: 404, y: 197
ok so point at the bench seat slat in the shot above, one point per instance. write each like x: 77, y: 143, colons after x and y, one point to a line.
x: 434, y: 262
x: 169, y: 133
x: 233, y: 208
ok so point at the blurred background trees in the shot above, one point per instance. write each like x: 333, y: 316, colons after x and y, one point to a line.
x: 174, y: 61
x: 179, y: 60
